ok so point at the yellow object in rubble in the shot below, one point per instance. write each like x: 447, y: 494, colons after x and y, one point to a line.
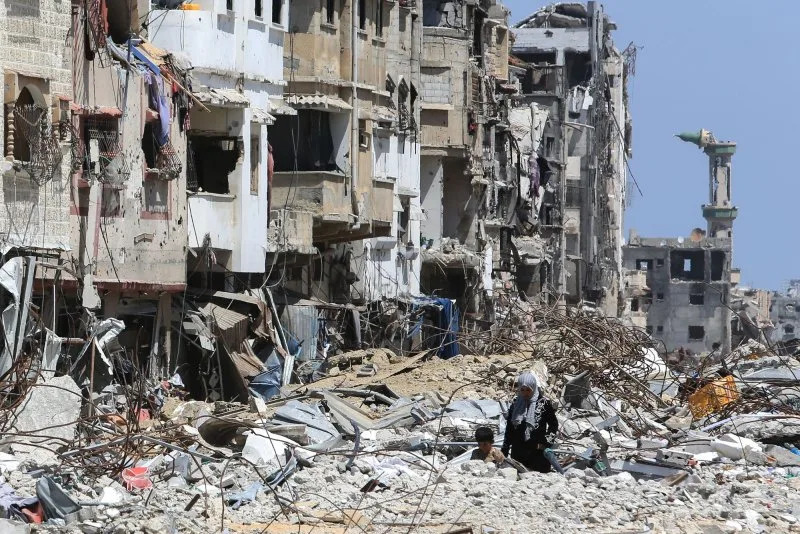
x: 190, y: 7
x: 712, y: 397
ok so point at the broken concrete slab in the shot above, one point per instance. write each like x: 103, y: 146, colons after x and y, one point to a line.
x: 50, y: 410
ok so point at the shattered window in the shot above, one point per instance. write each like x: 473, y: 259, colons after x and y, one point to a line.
x: 277, y: 7
x: 330, y: 11
x: 697, y: 333
x: 213, y: 160
x: 697, y: 295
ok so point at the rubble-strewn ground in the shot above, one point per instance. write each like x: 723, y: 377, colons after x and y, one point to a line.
x: 381, y: 445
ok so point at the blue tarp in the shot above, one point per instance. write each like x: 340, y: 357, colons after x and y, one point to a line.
x: 268, y: 384
x: 447, y: 340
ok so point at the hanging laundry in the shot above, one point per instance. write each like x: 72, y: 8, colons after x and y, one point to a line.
x: 534, y: 175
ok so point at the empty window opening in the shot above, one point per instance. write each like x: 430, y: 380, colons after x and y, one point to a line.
x: 644, y: 265
x: 403, y: 218
x: 578, y: 67
x: 277, y: 8
x: 305, y: 141
x: 659, y: 263
x: 259, y: 9
x: 477, y: 34
x: 789, y: 329
x: 697, y: 295
x: 111, y: 202
x: 649, y: 329
x: 660, y: 296
x: 687, y: 264
x: 363, y: 135
x: 213, y: 159
x: 717, y: 264
x: 573, y: 195
x: 697, y: 333
x: 660, y: 329
x: 229, y: 5
x: 379, y: 18
x: 634, y: 305
x: 541, y: 76
x: 317, y: 269
x: 330, y: 10
x: 362, y: 14
x: 572, y: 244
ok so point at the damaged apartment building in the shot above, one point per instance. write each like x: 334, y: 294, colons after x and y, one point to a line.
x: 572, y: 126
x: 93, y: 224
x: 345, y: 191
x: 680, y: 288
x: 235, y: 50
x: 468, y: 177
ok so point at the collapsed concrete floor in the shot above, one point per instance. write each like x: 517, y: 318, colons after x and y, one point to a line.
x: 382, y: 444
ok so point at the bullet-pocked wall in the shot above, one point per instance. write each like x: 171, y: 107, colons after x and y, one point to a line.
x: 35, y: 66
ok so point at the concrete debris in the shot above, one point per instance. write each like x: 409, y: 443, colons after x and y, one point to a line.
x: 49, y: 413
x: 157, y: 377
x: 335, y: 449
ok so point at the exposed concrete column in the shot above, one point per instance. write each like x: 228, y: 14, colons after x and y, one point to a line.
x: 165, y: 327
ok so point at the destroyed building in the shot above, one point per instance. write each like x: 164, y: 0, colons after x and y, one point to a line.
x: 689, y: 280
x: 784, y: 315
x: 468, y: 179
x: 572, y: 124
x: 93, y: 179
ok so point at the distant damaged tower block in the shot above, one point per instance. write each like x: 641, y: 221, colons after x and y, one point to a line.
x: 720, y: 211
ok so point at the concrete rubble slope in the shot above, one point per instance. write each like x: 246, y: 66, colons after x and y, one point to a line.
x: 389, y: 451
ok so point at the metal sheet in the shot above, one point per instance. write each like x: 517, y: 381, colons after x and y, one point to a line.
x: 301, y: 322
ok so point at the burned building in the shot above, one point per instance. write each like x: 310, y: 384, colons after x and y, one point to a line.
x: 688, y: 304
x: 468, y: 181
x: 573, y: 127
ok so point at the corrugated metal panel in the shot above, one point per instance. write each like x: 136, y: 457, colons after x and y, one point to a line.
x: 222, y: 97
x: 302, y: 323
x: 321, y: 102
x: 231, y: 326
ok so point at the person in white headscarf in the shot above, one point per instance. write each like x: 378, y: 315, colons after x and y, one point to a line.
x: 530, y: 419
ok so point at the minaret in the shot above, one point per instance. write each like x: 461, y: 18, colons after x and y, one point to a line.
x: 720, y: 211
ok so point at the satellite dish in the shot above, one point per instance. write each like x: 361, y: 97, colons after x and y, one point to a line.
x: 680, y: 240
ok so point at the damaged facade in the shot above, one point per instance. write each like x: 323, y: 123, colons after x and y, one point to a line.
x: 687, y: 302
x: 246, y: 243
x: 468, y: 180
x: 572, y: 126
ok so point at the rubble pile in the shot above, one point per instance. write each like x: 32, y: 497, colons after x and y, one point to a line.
x: 382, y: 442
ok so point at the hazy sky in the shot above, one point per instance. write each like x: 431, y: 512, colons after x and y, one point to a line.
x: 729, y: 67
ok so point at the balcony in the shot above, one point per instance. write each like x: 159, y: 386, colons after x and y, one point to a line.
x: 321, y: 193
x: 215, y: 215
x: 290, y: 231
